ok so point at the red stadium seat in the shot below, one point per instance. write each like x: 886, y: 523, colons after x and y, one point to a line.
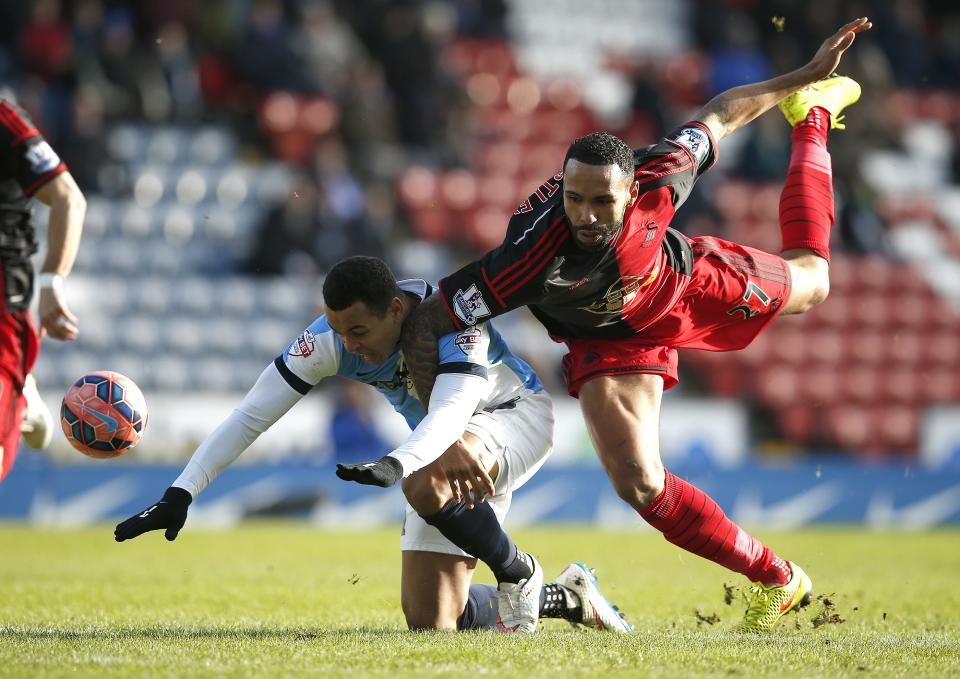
x: 458, y: 189
x: 900, y: 386
x: 841, y: 273
x: 418, y: 188
x: 778, y: 386
x: 433, y: 224
x: 825, y: 347
x: 789, y: 343
x: 860, y: 384
x: 942, y: 349
x: 897, y: 428
x: 501, y: 158
x: 485, y: 228
x: 832, y: 313
x: 870, y: 310
x: 939, y: 385
x: 820, y: 386
x: 906, y: 348
x: 866, y: 346
x: 500, y: 192
x: 798, y: 423
x: 851, y: 427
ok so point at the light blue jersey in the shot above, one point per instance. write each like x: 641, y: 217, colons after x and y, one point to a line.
x: 479, y: 350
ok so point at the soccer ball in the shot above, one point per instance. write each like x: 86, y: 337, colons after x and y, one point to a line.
x: 103, y: 414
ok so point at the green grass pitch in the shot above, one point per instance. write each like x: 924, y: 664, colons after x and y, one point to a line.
x: 283, y: 599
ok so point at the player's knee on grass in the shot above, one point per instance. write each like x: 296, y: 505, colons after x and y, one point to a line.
x: 427, y: 490
x: 810, y: 281
x: 426, y: 615
x: 429, y: 612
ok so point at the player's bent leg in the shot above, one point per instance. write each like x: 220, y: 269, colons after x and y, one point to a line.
x: 427, y: 490
x: 434, y: 589
x: 622, y: 414
x: 806, y: 202
x: 810, y: 280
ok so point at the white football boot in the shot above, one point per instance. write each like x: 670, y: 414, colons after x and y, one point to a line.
x: 519, y: 604
x: 598, y: 612
x: 36, y: 426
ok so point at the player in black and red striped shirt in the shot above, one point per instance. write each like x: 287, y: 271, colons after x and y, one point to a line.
x: 592, y: 255
x: 30, y: 168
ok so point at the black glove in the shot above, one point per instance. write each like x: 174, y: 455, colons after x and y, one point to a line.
x: 384, y: 472
x: 170, y: 513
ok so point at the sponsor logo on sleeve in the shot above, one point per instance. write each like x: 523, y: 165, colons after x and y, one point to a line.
x: 42, y: 158
x: 469, y: 305
x: 468, y: 341
x: 304, y: 345
x: 696, y: 141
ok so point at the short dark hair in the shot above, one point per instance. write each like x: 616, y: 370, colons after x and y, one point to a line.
x: 601, y: 148
x: 360, y: 279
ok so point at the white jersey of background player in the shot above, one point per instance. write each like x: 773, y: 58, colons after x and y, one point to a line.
x: 487, y: 407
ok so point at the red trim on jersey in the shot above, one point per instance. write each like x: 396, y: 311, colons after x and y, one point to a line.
x: 647, y: 180
x: 508, y: 274
x: 543, y: 259
x: 657, y: 161
x: 675, y: 162
x: 486, y: 279
x: 44, y: 179
x: 13, y: 121
x: 25, y: 135
x: 453, y: 317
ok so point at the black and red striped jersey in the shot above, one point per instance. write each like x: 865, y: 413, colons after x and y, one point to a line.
x: 577, y: 293
x: 27, y: 161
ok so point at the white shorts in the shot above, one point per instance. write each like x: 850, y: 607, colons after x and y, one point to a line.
x: 520, y: 438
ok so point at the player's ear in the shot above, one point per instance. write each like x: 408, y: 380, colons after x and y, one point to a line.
x: 396, y: 309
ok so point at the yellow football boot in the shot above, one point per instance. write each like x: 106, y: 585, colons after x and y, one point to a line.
x: 833, y: 94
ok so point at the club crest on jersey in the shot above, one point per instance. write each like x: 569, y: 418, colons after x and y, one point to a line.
x: 618, y: 297
x: 304, y: 345
x: 42, y: 157
x: 468, y: 341
x: 469, y: 305
x: 696, y: 141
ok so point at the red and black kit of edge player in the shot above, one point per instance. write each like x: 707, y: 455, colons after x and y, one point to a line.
x: 27, y: 162
x: 628, y: 307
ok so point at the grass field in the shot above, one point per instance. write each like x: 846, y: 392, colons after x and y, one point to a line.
x: 282, y: 599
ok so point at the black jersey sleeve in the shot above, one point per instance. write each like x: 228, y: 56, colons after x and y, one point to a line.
x: 513, y: 274
x: 29, y: 159
x: 676, y: 161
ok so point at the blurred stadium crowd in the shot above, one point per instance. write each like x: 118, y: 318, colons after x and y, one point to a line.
x: 232, y: 150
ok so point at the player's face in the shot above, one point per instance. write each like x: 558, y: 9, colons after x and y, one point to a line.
x: 596, y: 198
x: 362, y: 332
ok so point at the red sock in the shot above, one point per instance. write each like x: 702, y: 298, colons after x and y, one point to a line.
x: 691, y: 520
x: 806, y: 202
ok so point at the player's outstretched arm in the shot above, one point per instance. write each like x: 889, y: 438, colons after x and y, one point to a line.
x: 169, y: 513
x: 731, y: 110
x: 427, y: 323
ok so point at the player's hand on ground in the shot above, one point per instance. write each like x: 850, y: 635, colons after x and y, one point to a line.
x: 169, y: 513
x: 464, y: 465
x: 383, y: 472
x: 55, y: 318
x: 827, y: 58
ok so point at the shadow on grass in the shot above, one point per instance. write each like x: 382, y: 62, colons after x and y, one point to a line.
x: 186, y: 633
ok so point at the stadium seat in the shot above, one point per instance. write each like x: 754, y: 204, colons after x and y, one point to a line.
x: 859, y: 383
x: 778, y: 386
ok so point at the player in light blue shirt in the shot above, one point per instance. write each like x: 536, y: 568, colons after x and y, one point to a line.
x: 488, y: 429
